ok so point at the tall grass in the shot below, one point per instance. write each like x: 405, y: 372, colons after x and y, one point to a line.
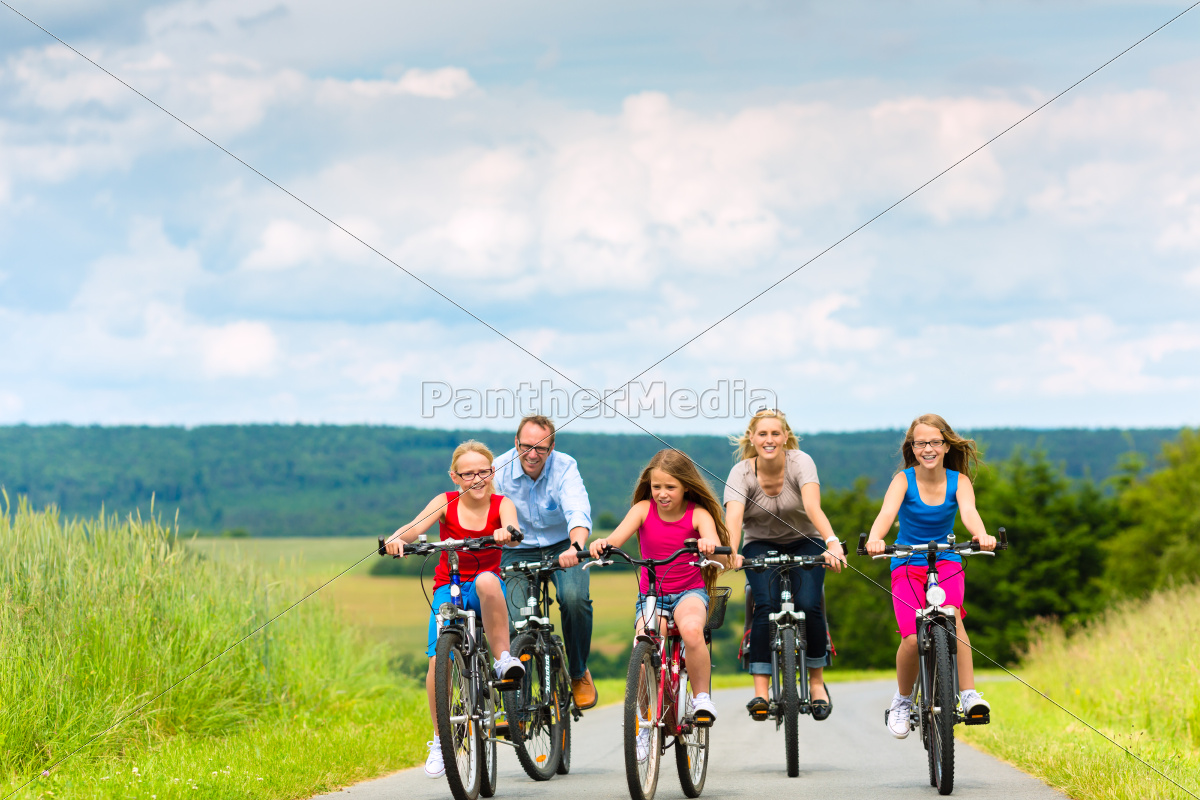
x: 100, y: 617
x: 1135, y: 676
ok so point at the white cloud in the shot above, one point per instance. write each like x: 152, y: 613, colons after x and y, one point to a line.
x: 446, y: 83
x: 239, y: 349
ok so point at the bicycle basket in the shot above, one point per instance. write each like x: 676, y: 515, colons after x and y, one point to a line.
x: 716, y: 607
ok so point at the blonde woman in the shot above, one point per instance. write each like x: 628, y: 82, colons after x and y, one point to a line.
x: 773, y: 502
x: 472, y: 510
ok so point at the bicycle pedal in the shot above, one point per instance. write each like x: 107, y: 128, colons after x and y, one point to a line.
x: 502, y: 685
x: 502, y: 730
x: 979, y: 719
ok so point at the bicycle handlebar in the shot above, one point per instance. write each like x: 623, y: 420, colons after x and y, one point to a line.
x: 475, y: 543
x: 547, y: 565
x: 689, y: 548
x: 759, y: 563
x: 963, y: 548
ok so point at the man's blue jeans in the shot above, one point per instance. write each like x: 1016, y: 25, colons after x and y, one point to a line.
x: 571, y: 590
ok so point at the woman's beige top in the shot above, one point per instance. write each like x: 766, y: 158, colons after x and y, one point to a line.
x: 781, y: 518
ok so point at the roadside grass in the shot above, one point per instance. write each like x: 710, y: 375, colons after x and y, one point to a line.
x: 1134, y: 675
x: 114, y: 642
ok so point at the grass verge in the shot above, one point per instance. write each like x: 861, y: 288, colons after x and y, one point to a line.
x: 1135, y: 676
x: 114, y: 640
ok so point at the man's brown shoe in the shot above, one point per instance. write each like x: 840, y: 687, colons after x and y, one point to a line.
x: 584, y: 691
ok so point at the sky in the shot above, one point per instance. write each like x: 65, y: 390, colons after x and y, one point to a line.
x: 494, y: 209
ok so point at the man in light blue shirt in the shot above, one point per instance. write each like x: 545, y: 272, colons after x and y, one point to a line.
x: 556, y: 520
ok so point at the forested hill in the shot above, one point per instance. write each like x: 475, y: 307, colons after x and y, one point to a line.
x: 332, y: 480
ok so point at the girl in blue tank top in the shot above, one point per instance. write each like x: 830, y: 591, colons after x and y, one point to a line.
x: 933, y: 488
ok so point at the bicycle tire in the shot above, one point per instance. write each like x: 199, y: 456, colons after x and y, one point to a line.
x: 641, y: 701
x: 491, y: 764
x: 941, y: 713
x: 791, y: 701
x: 534, y: 717
x: 565, y: 701
x: 691, y: 760
x: 454, y: 699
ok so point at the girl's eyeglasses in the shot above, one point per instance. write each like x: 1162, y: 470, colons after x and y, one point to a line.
x: 921, y: 445
x: 480, y: 473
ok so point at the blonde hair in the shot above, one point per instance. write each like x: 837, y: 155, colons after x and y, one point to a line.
x: 744, y: 444
x: 962, y: 455
x: 470, y: 446
x: 678, y: 465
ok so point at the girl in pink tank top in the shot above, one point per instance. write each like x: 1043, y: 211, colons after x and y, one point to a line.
x: 672, y: 503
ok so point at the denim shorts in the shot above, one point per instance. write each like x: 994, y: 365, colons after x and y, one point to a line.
x: 668, y: 601
x: 470, y: 600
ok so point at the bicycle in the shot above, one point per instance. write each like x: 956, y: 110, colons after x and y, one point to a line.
x: 540, y: 709
x: 935, y: 692
x: 788, y: 698
x: 656, y: 696
x: 464, y: 686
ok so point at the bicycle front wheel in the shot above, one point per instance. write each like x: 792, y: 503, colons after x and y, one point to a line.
x: 643, y: 736
x: 941, y: 712
x: 691, y: 758
x: 790, y: 706
x: 534, y: 714
x: 455, y: 703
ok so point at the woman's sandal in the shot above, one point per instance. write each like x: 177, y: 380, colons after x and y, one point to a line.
x: 759, y: 709
x: 821, y: 709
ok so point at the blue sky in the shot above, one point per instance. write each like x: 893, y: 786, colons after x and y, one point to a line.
x: 600, y: 184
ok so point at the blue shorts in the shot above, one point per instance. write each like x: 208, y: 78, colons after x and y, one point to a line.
x: 668, y: 601
x: 470, y: 600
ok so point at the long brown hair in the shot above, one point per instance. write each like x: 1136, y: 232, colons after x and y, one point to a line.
x: 678, y: 465
x: 962, y: 455
x: 744, y: 444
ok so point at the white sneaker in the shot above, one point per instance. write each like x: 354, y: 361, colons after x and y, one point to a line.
x: 508, y: 667
x: 973, y: 704
x: 897, y: 716
x: 435, y: 767
x: 643, y: 739
x: 703, y: 709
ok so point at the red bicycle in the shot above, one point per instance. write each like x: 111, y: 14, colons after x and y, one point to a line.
x: 658, y: 710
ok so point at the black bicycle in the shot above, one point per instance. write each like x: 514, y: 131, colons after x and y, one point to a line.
x: 464, y: 686
x: 540, y: 710
x: 936, y: 688
x: 789, y: 692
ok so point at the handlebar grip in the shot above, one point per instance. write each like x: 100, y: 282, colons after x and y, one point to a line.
x: 1002, y: 536
x: 722, y: 551
x: 862, y: 544
x: 517, y: 536
x: 382, y: 546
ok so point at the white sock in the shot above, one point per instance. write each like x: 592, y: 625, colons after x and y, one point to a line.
x: 701, y: 694
x: 905, y: 698
x: 503, y: 655
x: 437, y: 740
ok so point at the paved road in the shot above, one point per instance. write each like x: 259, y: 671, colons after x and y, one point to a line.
x: 849, y: 755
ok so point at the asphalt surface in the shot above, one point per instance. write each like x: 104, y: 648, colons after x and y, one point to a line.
x: 849, y: 755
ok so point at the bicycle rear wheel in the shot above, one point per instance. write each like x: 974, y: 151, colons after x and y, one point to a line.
x: 491, y: 765
x: 534, y: 715
x: 641, y: 730
x: 790, y: 707
x: 941, y: 713
x: 562, y: 694
x: 455, y: 703
x: 691, y: 758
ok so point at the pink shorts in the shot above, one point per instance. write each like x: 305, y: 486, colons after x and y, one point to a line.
x: 908, y: 592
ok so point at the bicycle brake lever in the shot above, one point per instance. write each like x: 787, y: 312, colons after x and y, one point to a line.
x: 601, y: 562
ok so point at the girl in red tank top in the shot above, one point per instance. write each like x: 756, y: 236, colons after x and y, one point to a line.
x: 473, y: 511
x: 670, y: 504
